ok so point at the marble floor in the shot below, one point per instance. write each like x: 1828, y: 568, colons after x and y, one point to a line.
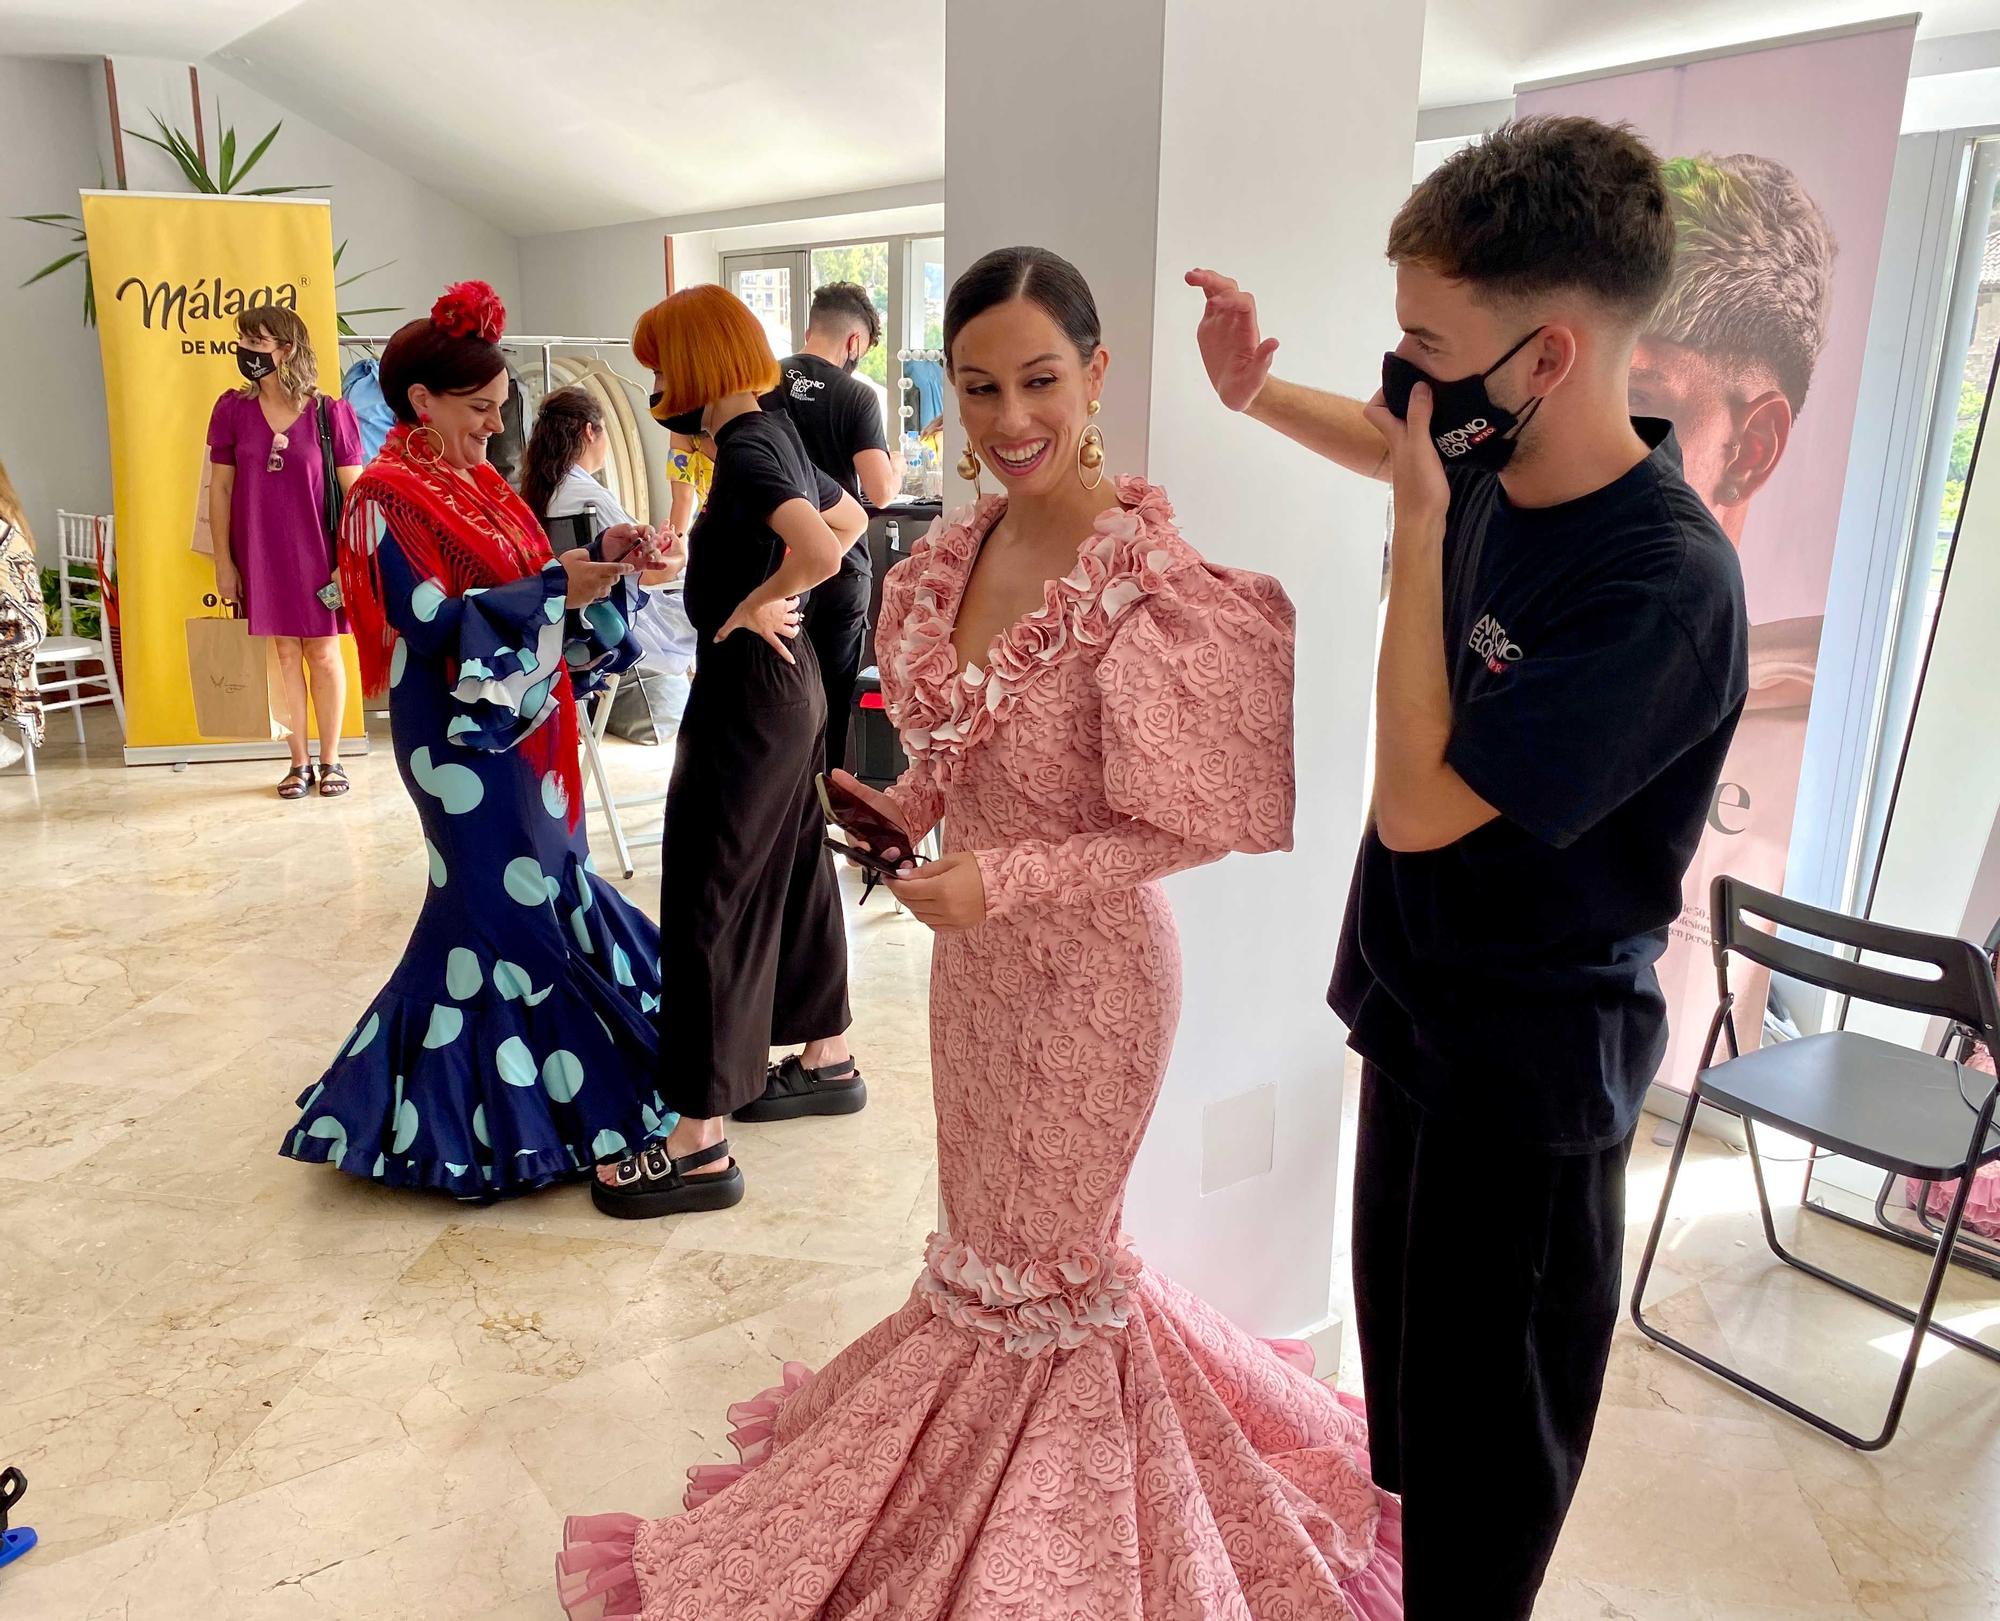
x: 241, y: 1387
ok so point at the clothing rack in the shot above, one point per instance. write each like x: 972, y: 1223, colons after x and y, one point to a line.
x: 548, y: 346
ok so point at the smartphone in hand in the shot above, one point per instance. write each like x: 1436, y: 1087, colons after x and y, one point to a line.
x: 868, y: 825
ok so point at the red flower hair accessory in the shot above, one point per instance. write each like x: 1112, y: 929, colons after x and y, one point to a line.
x: 469, y: 309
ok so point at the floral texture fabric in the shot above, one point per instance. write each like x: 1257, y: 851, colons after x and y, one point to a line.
x: 1048, y: 1430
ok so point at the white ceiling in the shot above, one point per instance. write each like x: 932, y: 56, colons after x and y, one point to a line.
x: 546, y: 115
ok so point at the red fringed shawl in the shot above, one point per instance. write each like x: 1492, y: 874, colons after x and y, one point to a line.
x: 461, y: 532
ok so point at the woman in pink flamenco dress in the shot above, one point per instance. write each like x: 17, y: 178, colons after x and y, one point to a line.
x: 1048, y: 1430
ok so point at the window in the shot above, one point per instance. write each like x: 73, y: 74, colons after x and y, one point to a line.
x: 867, y: 265
x: 925, y: 327
x: 1966, y: 339
x: 904, y: 277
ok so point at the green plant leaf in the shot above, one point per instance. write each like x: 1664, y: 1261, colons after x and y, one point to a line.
x: 348, y: 281
x: 279, y: 191
x: 337, y: 252
x: 89, y: 298
x: 51, y: 269
x: 53, y: 219
x: 175, y: 145
x: 257, y: 152
x: 228, y: 153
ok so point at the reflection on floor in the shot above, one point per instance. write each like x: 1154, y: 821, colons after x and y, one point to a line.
x: 242, y: 1387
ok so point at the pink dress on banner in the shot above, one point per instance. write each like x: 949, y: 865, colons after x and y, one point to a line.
x: 1048, y: 1430
x: 277, y: 520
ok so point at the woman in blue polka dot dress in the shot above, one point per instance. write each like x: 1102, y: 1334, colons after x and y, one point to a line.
x: 515, y: 1043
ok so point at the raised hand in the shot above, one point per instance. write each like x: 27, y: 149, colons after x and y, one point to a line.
x: 1237, y: 356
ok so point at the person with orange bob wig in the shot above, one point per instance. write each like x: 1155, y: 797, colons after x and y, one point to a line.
x: 751, y: 939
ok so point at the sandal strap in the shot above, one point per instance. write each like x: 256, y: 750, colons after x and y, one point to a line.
x: 701, y: 1157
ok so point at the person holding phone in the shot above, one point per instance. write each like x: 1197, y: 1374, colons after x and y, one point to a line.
x: 1048, y: 1428
x: 752, y: 939
x: 511, y: 1047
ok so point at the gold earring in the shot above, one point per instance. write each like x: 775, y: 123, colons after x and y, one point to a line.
x: 1090, y: 452
x: 969, y: 469
x: 430, y: 439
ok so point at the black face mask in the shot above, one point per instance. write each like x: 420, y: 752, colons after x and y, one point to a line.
x: 255, y: 364
x: 1468, y: 429
x: 850, y: 363
x: 685, y: 423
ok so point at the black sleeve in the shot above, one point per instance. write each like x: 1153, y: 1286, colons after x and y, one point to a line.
x: 760, y: 476
x: 1605, y: 698
x: 861, y: 421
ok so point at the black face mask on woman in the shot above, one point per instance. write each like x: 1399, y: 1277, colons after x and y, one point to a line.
x: 1468, y: 429
x: 255, y: 364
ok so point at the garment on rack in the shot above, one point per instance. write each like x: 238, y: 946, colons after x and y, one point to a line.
x: 508, y: 449
x: 361, y: 387
x: 928, y: 376
x: 24, y: 622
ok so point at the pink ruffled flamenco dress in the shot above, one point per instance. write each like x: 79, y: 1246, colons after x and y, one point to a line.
x: 1048, y: 1430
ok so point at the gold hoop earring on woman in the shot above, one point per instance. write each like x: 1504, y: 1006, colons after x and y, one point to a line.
x: 1090, y: 452
x: 969, y: 469
x: 432, y: 441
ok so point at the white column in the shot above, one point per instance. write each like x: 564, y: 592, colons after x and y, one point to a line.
x: 1139, y: 138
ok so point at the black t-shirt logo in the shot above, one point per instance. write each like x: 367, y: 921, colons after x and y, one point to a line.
x: 1491, y: 642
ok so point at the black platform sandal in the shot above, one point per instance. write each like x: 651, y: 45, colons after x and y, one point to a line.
x: 652, y: 1183
x: 332, y: 782
x: 297, y: 782
x: 791, y: 1092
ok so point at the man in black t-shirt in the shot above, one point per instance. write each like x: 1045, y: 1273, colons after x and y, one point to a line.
x: 840, y: 421
x: 1562, y: 666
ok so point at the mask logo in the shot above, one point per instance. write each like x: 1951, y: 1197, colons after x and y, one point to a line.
x: 1467, y: 427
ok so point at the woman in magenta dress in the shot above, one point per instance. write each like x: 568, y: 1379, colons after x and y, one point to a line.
x: 274, y: 553
x: 1048, y: 1430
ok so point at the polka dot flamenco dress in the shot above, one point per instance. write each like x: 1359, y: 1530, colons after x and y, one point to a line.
x: 512, y: 1046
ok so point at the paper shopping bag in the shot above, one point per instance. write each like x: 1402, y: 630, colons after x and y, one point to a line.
x: 203, y: 539
x: 232, y: 675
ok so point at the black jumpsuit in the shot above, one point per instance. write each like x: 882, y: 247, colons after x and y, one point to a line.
x: 753, y: 949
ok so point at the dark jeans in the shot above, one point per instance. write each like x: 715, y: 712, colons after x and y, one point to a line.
x: 1485, y: 1292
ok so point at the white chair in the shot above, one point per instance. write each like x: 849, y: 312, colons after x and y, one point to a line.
x: 85, y: 543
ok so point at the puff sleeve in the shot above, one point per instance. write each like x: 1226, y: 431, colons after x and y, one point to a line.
x: 1195, y: 691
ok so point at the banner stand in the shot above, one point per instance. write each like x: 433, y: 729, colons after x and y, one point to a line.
x: 172, y: 271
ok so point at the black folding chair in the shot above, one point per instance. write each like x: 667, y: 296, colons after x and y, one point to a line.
x: 1904, y: 1112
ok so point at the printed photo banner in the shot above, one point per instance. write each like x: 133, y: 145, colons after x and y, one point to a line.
x: 1778, y: 162
x: 171, y: 272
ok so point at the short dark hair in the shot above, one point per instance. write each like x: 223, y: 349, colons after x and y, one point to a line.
x: 1753, y: 273
x: 1045, y: 279
x: 1543, y: 205
x: 847, y: 302
x: 422, y: 352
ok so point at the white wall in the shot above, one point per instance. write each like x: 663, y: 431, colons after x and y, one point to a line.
x: 52, y: 426
x: 382, y: 213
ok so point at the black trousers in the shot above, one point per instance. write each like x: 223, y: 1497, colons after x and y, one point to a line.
x: 753, y: 949
x: 1485, y: 1292
x: 837, y: 626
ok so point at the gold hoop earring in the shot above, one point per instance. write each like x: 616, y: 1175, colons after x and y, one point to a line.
x: 969, y: 470
x: 431, y: 439
x: 1090, y: 453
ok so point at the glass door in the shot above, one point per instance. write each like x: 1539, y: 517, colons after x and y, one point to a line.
x: 774, y: 286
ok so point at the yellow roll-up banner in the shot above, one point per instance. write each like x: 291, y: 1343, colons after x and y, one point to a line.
x: 171, y: 273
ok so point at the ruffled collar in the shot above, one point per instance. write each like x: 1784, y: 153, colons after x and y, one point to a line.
x: 947, y: 708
